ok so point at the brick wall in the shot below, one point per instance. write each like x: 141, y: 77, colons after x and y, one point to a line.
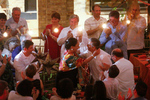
x: 47, y: 7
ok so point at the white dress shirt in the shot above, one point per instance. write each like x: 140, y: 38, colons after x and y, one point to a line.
x: 136, y: 29
x: 91, y: 23
x: 61, y: 38
x: 101, y: 58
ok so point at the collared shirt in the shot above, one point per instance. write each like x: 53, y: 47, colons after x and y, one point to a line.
x: 61, y: 38
x: 126, y: 76
x: 91, y: 23
x: 13, y: 25
x: 20, y: 63
x: 115, y: 39
x: 135, y: 38
x: 112, y: 86
x: 101, y: 58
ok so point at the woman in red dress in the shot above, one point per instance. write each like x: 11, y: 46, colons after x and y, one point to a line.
x: 51, y: 34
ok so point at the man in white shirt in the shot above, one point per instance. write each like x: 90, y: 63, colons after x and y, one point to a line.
x: 69, y: 32
x: 126, y: 76
x: 103, y: 59
x: 111, y: 83
x: 17, y: 24
x: 93, y: 25
x: 23, y: 59
x: 136, y: 30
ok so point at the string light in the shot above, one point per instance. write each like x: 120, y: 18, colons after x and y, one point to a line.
x: 5, y: 34
x: 128, y: 21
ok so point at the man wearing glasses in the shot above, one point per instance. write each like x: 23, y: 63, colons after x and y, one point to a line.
x: 112, y: 35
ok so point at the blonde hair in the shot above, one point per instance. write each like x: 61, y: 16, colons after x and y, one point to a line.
x: 136, y: 5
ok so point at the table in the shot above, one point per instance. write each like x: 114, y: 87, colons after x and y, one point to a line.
x: 144, y: 70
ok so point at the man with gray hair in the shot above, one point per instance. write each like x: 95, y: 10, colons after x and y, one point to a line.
x: 68, y: 32
x: 17, y: 24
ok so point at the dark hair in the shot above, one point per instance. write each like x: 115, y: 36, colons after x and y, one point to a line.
x: 3, y: 16
x: 88, y: 91
x: 113, y: 71
x: 56, y: 15
x: 117, y: 52
x: 141, y: 88
x: 114, y: 13
x: 99, y: 91
x: 27, y: 44
x: 65, y: 88
x: 95, y: 43
x: 30, y: 70
x: 94, y: 6
x: 3, y: 85
x: 70, y: 42
x: 25, y: 87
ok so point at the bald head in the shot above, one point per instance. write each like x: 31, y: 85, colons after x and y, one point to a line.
x: 117, y: 52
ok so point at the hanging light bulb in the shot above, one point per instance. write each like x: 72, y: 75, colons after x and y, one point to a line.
x: 80, y: 28
x: 104, y: 25
x: 5, y: 34
x: 128, y: 21
x: 56, y: 30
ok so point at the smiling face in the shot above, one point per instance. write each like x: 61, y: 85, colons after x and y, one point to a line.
x: 29, y: 50
x: 55, y: 21
x: 73, y: 23
x: 16, y: 15
x: 91, y: 47
x: 113, y: 21
x: 97, y: 11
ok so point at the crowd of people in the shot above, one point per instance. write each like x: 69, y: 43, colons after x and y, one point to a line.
x: 95, y: 58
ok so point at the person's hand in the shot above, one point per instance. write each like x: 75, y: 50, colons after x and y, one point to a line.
x: 69, y: 35
x: 107, y: 31
x: 130, y: 16
x: 49, y: 32
x: 22, y: 75
x: 54, y: 91
x: 101, y: 67
x: 129, y: 94
x: 120, y: 97
x: 20, y: 27
x: 5, y: 60
x: 101, y: 75
x: 35, y: 93
x: 9, y: 58
x: 96, y: 52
